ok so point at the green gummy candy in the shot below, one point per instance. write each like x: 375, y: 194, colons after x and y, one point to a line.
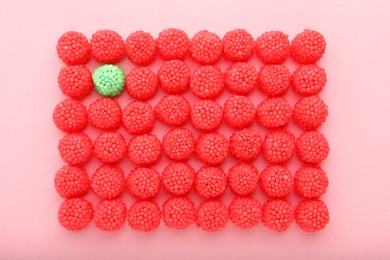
x: 109, y: 80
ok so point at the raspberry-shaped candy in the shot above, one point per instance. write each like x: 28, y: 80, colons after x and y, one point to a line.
x: 206, y: 47
x: 276, y: 181
x: 210, y: 182
x: 73, y: 48
x: 212, y: 148
x: 311, y: 181
x: 243, y: 178
x: 207, y: 82
x: 108, y: 182
x: 110, y: 215
x: 172, y: 44
x: 278, y: 146
x: 144, y: 150
x: 107, y: 46
x: 312, y: 147
x: 178, y: 212
x: 274, y: 80
x: 174, y: 77
x: 239, y: 111
x: 144, y: 216
x: 311, y: 215
x: 71, y: 181
x: 105, y: 114
x: 143, y: 183
x: 273, y: 47
x: 75, y: 214
x: 278, y: 214
x: 308, y: 80
x: 308, y: 46
x: 178, y: 178
x: 240, y: 78
x: 245, y: 212
x: 141, y: 83
x: 178, y: 144
x: 75, y: 81
x: 245, y: 144
x: 140, y: 47
x: 138, y: 117
x: 76, y: 148
x: 110, y: 147
x: 274, y: 112
x: 206, y: 115
x: 212, y: 215
x: 109, y: 80
x: 172, y: 110
x: 310, y: 112
x: 238, y: 45
x: 70, y: 116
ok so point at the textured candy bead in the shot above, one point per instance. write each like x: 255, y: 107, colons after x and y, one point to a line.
x: 110, y: 147
x: 76, y: 148
x: 276, y: 181
x: 206, y: 82
x: 71, y: 181
x: 172, y: 44
x: 239, y: 111
x: 70, y: 116
x: 174, y: 77
x: 278, y: 146
x: 206, y: 115
x: 212, y: 148
x: 310, y: 181
x: 172, y: 110
x: 238, y: 45
x: 308, y: 46
x: 240, y: 78
x: 274, y: 80
x: 210, y: 182
x: 245, y: 144
x: 245, y: 212
x: 178, y: 212
x: 138, y: 117
x: 274, y: 112
x: 212, y: 215
x: 308, y: 80
x: 109, y: 80
x: 206, y: 47
x: 107, y: 46
x: 75, y: 214
x: 178, y: 144
x: 312, y: 147
x: 278, y: 215
x: 178, y: 178
x: 144, y: 150
x: 141, y: 83
x: 272, y: 47
x: 110, y: 215
x: 141, y: 48
x: 310, y: 112
x: 108, y: 182
x: 73, y: 48
x: 243, y: 178
x: 75, y: 81
x: 311, y: 215
x: 105, y: 114
x: 144, y: 216
x: 143, y: 183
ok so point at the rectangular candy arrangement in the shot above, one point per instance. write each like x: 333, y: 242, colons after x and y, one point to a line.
x: 206, y: 83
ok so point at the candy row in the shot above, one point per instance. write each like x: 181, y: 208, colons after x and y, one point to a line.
x: 180, y: 213
x: 206, y: 82
x: 107, y: 46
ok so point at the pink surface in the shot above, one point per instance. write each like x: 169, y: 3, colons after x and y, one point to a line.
x: 357, y: 128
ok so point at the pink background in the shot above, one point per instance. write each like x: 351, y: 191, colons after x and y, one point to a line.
x: 358, y: 128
